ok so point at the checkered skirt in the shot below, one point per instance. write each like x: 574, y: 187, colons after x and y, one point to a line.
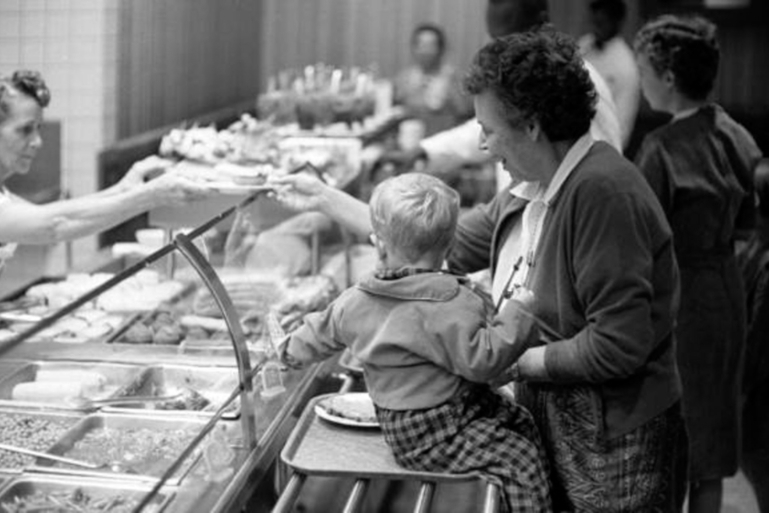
x: 641, y: 471
x: 478, y: 432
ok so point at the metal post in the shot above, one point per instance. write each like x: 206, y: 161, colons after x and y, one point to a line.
x: 355, y: 499
x: 425, y: 499
x: 290, y: 494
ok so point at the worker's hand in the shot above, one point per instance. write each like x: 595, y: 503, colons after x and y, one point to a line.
x: 144, y: 170
x: 301, y: 192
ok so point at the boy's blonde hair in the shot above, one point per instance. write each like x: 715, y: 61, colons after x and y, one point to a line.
x: 415, y: 215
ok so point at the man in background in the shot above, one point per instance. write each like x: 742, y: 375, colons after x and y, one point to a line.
x: 459, y: 146
x: 607, y: 51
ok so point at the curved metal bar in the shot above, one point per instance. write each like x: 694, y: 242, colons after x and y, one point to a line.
x: 223, y: 301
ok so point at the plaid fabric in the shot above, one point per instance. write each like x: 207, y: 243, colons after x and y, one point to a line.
x: 644, y: 470
x: 478, y: 433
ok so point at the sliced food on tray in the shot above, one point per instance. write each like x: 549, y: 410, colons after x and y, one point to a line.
x: 350, y: 409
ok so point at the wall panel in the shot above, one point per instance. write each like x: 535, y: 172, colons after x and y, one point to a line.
x: 181, y: 58
x: 363, y: 32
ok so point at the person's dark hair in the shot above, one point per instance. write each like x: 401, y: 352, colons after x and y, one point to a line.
x: 686, y: 46
x: 505, y: 17
x: 440, y: 35
x: 28, y: 83
x: 616, y: 10
x: 537, y: 75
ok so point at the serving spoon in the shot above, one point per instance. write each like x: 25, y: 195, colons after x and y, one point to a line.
x: 115, y: 466
x: 83, y: 403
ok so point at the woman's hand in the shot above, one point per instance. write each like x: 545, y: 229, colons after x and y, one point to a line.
x: 301, y: 192
x: 144, y: 170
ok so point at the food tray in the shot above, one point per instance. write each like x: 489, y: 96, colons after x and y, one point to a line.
x: 31, y: 430
x: 317, y: 447
x: 26, y: 486
x: 156, y: 434
x: 117, y: 376
x: 213, y: 383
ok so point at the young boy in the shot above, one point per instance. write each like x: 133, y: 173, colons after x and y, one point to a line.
x: 428, y: 354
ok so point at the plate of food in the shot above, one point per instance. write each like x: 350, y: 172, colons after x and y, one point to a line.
x: 351, y: 409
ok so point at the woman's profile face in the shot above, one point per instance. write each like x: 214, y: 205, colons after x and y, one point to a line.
x: 508, y: 145
x: 20, y: 135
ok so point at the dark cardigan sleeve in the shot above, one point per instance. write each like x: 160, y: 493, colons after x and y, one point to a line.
x: 612, y: 268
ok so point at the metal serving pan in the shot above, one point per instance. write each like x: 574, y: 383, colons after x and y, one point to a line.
x: 117, y: 376
x: 31, y: 430
x: 143, y: 445
x: 214, y: 384
x: 64, y: 488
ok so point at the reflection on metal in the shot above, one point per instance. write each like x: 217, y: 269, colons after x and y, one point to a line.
x: 290, y: 494
x: 491, y: 502
x: 223, y: 301
x: 358, y: 493
x: 425, y: 499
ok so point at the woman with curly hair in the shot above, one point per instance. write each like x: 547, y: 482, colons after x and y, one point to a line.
x: 700, y: 165
x: 583, y: 241
x: 23, y: 96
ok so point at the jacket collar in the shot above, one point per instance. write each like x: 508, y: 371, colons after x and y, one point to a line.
x: 424, y: 287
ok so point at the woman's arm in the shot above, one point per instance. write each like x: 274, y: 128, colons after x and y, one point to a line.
x: 28, y: 223
x: 303, y: 193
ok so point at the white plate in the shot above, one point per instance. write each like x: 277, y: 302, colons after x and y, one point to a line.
x: 357, y: 400
x: 234, y: 188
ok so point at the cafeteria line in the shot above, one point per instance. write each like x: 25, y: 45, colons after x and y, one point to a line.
x: 225, y: 287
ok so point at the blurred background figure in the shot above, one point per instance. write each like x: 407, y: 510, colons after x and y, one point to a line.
x: 606, y: 49
x: 701, y: 166
x: 754, y: 262
x: 429, y: 88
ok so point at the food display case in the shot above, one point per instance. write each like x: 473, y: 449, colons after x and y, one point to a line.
x: 190, y: 418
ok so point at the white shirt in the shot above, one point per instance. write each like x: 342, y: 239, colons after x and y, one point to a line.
x: 518, y: 253
x: 7, y: 249
x: 616, y: 64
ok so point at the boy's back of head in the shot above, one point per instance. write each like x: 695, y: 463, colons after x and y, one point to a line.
x: 415, y: 214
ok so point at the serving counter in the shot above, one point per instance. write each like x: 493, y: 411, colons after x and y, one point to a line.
x: 218, y: 387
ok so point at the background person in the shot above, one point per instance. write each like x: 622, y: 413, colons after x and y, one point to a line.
x: 23, y: 96
x: 457, y: 147
x: 606, y: 49
x: 754, y: 262
x: 700, y: 166
x: 429, y: 88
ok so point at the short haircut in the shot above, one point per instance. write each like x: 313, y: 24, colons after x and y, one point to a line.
x: 415, y: 214
x: 616, y: 10
x: 685, y: 45
x: 537, y: 75
x: 27, y: 83
x: 430, y: 27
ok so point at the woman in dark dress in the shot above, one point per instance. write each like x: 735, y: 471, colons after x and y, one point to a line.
x: 700, y: 165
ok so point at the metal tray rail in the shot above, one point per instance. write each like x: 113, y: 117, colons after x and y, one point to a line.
x: 68, y: 417
x: 27, y: 485
x: 117, y: 375
x: 119, y: 423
